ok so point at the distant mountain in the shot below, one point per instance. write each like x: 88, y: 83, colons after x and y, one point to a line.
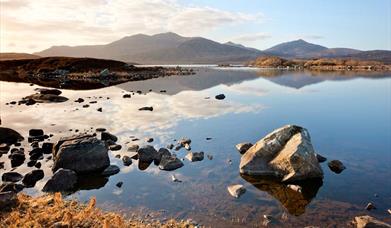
x: 304, y: 49
x: 171, y: 48
x: 164, y: 48
x: 15, y: 56
x: 376, y: 55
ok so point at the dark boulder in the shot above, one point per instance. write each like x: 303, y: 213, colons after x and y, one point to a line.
x: 82, y: 154
x: 9, y: 136
x: 147, y: 154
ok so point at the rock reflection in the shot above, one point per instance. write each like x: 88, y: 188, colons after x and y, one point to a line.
x: 90, y: 182
x: 294, y: 197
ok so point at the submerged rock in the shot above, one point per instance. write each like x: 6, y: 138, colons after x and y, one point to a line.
x: 367, y: 221
x: 82, y: 154
x: 286, y: 153
x: 236, y: 190
x: 243, y: 147
x: 336, y: 166
x: 63, y: 180
x: 195, y: 156
x: 9, y: 136
x: 170, y: 163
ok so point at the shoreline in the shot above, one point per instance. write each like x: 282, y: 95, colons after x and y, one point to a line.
x: 53, y: 211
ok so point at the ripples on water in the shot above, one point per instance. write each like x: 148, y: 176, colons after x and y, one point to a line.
x: 347, y: 115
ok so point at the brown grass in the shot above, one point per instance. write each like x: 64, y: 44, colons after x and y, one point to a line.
x: 53, y: 211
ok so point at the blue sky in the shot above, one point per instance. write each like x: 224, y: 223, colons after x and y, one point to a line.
x: 361, y: 24
x: 28, y: 26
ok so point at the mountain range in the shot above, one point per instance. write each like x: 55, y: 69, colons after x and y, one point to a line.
x: 171, y: 48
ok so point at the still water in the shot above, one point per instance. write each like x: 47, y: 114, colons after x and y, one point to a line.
x: 347, y: 114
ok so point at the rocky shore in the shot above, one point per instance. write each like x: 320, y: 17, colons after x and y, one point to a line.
x: 80, y: 73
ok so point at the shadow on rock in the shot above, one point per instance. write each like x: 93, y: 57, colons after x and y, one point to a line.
x: 294, y: 196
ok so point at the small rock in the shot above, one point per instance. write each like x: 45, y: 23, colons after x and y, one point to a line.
x: 99, y: 109
x: 208, y: 138
x: 170, y: 163
x: 243, y: 147
x: 62, y: 180
x: 100, y: 129
x: 115, y: 147
x: 149, y: 140
x: 32, y: 177
x: 147, y: 154
x: 35, y: 132
x: 162, y: 152
x: 107, y: 136
x: 79, y: 100
x: 11, y: 177
x: 184, y: 141
x: 195, y: 156
x: 6, y: 187
x: 119, y: 184
x: 336, y: 166
x: 86, y: 106
x: 146, y: 109
x: 370, y: 206
x: 210, y: 157
x: 126, y: 95
x: 187, y: 147
x: 111, y: 170
x: 31, y: 163
x: 220, y: 97
x: 126, y: 160
x: 320, y: 158
x: 236, y: 190
x: 174, y: 179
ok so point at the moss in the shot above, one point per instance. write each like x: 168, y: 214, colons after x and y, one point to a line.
x: 53, y: 211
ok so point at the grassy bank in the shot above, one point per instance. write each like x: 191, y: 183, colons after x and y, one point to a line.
x: 53, y: 211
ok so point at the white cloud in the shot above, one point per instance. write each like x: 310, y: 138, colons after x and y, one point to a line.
x: 45, y: 22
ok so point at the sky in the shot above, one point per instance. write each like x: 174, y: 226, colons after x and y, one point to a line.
x: 30, y: 26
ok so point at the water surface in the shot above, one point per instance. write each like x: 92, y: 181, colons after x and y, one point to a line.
x: 347, y: 114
